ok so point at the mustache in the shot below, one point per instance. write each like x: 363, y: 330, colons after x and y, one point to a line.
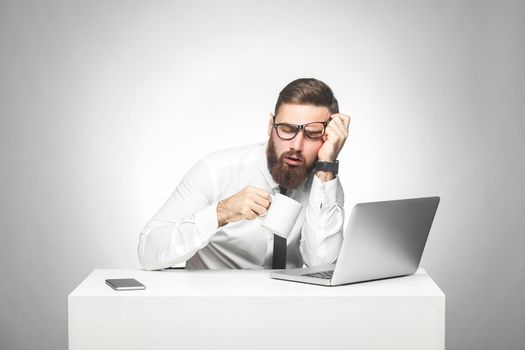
x: 296, y: 154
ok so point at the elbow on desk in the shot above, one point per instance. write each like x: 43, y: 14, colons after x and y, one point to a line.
x: 147, y: 262
x: 150, y: 250
x: 154, y: 252
x: 151, y: 263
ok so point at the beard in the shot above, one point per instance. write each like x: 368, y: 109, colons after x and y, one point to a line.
x: 286, y: 175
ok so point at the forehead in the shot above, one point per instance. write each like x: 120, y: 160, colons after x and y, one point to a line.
x: 301, y: 114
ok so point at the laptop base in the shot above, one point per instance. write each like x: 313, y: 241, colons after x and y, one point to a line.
x: 298, y: 275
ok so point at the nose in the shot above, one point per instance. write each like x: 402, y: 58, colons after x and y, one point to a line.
x: 297, y: 142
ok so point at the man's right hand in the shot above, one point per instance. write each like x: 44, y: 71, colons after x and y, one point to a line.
x: 247, y: 204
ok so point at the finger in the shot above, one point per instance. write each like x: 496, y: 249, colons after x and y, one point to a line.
x: 335, y: 132
x: 336, y: 122
x: 249, y: 213
x: 343, y: 131
x: 259, y: 192
x: 340, y: 121
x: 347, y: 122
x: 340, y: 126
x: 263, y: 202
x: 345, y: 119
x: 258, y: 209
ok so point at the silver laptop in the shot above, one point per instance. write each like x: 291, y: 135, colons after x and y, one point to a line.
x: 383, y: 240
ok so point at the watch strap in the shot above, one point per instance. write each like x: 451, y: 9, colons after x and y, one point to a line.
x: 333, y: 167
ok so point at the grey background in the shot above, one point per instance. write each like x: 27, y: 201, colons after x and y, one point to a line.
x: 104, y: 105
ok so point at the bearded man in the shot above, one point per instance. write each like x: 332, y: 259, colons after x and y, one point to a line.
x: 208, y: 221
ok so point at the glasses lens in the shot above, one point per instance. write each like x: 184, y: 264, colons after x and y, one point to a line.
x: 286, y: 131
x: 314, y: 130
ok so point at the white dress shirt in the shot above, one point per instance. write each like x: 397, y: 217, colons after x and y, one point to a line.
x: 186, y: 227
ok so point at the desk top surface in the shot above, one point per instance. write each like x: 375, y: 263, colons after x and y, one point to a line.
x: 246, y: 283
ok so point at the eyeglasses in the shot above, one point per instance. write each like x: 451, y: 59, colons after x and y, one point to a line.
x: 313, y: 131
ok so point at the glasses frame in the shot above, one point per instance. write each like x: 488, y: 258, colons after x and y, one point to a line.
x: 298, y: 128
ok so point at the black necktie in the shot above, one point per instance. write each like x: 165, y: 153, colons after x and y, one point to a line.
x: 279, y: 246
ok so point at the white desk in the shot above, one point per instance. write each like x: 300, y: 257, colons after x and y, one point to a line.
x: 245, y: 309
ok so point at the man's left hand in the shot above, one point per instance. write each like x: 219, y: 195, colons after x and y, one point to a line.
x: 334, y: 137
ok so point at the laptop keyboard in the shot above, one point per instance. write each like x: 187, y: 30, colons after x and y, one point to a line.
x: 323, y: 274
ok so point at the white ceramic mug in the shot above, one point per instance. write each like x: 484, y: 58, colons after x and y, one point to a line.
x: 282, y: 215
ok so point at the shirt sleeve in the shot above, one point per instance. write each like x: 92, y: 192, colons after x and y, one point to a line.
x: 184, y: 224
x: 322, y: 231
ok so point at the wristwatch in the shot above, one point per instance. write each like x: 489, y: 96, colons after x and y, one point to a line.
x: 333, y: 167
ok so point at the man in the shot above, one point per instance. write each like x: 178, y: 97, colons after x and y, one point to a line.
x: 208, y: 221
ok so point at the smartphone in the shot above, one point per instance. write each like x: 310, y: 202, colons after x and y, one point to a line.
x: 125, y: 284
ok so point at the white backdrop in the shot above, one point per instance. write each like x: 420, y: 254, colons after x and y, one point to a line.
x: 105, y: 105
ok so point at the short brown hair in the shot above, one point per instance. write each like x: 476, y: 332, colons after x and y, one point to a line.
x: 308, y: 91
